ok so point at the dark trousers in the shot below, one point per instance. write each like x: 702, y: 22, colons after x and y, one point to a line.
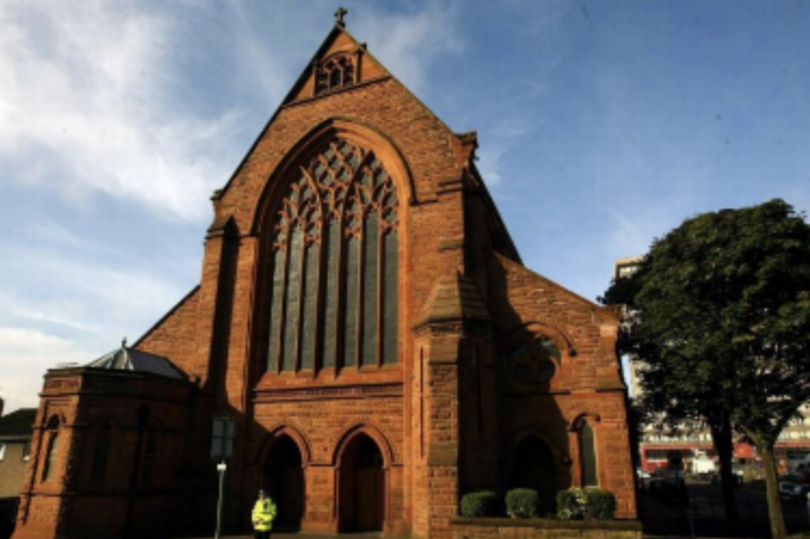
x: 261, y: 535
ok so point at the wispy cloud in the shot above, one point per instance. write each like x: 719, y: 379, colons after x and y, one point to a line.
x: 89, y: 292
x: 84, y: 107
x: 503, y: 136
x: 410, y: 42
x: 24, y: 352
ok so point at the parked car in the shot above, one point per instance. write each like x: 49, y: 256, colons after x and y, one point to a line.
x: 791, y: 491
x: 668, y: 483
x: 799, y: 474
x: 714, y: 478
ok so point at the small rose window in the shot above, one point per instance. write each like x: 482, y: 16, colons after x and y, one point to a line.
x: 533, y: 360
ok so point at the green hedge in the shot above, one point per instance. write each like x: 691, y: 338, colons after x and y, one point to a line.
x: 523, y: 502
x: 484, y: 503
x: 601, y: 505
x: 588, y: 504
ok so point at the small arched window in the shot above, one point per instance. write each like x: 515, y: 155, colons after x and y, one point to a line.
x: 334, y: 256
x: 51, y: 448
x: 149, y: 457
x: 101, y: 454
x: 587, y: 455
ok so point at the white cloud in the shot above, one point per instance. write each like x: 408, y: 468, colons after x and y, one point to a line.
x: 25, y: 355
x: 83, y: 107
x: 489, y: 157
x: 83, y: 293
x: 93, y: 100
x: 409, y: 43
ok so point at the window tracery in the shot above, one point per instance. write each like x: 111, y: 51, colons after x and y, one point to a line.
x: 335, y: 266
x: 335, y: 72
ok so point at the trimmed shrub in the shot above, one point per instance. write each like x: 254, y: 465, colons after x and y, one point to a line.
x: 484, y: 503
x: 590, y: 504
x: 599, y: 505
x: 523, y: 503
x: 571, y: 504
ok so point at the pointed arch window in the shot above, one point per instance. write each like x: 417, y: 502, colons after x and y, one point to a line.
x: 335, y: 72
x: 51, y: 449
x: 149, y: 456
x: 587, y: 455
x: 334, y: 259
x: 101, y: 454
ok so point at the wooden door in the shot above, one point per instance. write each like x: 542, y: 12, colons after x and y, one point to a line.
x: 290, y: 503
x: 362, y: 486
x: 370, y: 498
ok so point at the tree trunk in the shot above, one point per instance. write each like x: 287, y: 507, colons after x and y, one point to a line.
x: 724, y: 445
x: 778, y: 530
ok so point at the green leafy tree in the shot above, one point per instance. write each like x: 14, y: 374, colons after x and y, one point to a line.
x: 719, y: 313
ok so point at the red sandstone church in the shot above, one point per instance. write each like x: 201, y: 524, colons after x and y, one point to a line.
x: 365, y: 321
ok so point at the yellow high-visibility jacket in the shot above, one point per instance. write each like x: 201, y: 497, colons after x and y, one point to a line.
x: 263, y: 514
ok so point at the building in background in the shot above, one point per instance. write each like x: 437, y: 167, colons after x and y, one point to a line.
x: 16, y: 430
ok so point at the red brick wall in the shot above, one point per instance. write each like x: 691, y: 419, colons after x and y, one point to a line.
x: 176, y: 335
x: 324, y: 425
x: 70, y: 503
x: 486, y: 528
x: 587, y: 383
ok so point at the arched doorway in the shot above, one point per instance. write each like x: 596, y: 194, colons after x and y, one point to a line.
x: 533, y: 467
x: 362, y: 486
x: 284, y: 483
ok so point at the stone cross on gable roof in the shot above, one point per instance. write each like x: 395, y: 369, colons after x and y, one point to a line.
x: 339, y: 15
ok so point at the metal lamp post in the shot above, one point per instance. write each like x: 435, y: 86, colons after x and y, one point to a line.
x: 221, y: 449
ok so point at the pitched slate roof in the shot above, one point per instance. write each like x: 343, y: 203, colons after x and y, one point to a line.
x: 18, y: 425
x: 131, y: 359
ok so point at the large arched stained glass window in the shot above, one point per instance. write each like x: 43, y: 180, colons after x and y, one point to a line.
x: 335, y: 264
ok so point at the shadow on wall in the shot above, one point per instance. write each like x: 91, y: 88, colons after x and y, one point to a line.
x: 515, y: 433
x: 8, y: 516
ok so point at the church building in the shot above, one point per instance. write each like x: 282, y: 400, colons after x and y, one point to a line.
x: 365, y: 333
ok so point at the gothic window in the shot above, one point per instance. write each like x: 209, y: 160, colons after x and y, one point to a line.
x: 587, y: 455
x: 532, y: 360
x: 334, y: 254
x: 101, y: 454
x: 149, y: 455
x: 335, y: 72
x: 51, y: 448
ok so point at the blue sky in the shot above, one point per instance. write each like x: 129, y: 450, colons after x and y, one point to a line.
x: 602, y: 125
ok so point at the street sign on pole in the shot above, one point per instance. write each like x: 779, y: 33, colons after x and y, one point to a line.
x: 222, y: 437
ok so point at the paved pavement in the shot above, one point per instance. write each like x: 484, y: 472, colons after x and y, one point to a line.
x: 307, y: 535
